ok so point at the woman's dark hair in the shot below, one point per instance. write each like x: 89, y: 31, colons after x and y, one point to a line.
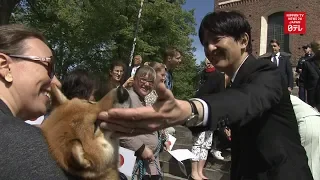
x: 222, y: 23
x: 78, y: 83
x: 12, y: 38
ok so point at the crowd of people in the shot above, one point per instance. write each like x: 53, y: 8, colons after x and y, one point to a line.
x: 242, y: 101
x: 257, y: 106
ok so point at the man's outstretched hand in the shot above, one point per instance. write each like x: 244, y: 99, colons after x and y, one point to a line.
x: 165, y: 112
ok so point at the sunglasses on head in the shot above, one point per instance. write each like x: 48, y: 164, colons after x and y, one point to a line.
x: 50, y: 60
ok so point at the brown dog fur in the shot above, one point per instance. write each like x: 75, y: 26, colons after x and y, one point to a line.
x: 75, y: 140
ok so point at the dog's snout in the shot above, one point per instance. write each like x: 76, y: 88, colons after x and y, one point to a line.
x: 122, y: 94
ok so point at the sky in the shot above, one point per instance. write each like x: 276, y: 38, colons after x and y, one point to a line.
x: 202, y: 7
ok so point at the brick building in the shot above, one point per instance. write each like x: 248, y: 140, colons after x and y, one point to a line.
x: 266, y: 19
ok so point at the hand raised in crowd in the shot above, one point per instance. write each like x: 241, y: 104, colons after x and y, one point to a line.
x: 147, y: 154
x: 128, y: 83
x: 165, y: 112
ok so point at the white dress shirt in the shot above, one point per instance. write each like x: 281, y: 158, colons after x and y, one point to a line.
x: 277, y: 58
x: 134, y: 70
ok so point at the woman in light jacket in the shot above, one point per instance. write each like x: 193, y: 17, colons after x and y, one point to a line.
x: 146, y: 146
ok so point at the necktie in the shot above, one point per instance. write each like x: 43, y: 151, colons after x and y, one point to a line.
x: 274, y: 60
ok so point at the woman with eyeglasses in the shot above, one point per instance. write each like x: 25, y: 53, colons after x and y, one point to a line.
x: 147, y: 146
x: 116, y: 74
x: 26, y: 72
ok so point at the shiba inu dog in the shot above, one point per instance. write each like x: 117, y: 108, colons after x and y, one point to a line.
x: 75, y: 139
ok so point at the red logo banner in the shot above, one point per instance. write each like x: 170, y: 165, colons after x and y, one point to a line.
x: 294, y: 22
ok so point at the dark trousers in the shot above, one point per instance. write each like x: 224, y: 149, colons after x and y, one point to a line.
x: 302, y: 93
x: 311, y: 95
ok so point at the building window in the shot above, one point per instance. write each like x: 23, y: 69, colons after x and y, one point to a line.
x: 275, y: 31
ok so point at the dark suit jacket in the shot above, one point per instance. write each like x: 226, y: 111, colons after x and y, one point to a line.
x: 128, y: 72
x: 24, y: 152
x: 212, y: 82
x: 285, y: 69
x: 300, y: 65
x: 317, y: 96
x: 310, y: 73
x: 311, y: 66
x: 265, y: 139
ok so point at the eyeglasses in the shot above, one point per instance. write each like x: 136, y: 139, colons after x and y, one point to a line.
x: 50, y: 60
x: 118, y: 71
x: 143, y: 80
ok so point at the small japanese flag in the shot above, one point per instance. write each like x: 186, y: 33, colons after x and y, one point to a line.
x: 127, y: 161
x: 171, y: 141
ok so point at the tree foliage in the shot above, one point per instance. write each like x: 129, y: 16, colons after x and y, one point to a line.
x: 6, y: 9
x: 92, y: 33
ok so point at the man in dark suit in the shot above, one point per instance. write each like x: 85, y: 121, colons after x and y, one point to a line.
x: 311, y: 74
x: 300, y: 81
x: 281, y: 61
x: 265, y: 139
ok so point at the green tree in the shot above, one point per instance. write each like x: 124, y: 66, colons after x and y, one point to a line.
x: 92, y: 33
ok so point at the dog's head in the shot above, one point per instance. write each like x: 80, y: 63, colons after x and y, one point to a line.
x: 75, y: 138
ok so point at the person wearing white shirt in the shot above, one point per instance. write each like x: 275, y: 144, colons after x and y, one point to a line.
x: 309, y: 128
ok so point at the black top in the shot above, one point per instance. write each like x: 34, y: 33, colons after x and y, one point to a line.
x: 24, y: 152
x: 211, y: 82
x: 311, y: 72
x: 300, y: 65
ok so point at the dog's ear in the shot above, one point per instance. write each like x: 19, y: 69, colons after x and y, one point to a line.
x: 115, y: 96
x: 57, y: 97
x: 78, y: 156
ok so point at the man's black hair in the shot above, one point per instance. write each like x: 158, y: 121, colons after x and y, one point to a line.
x: 79, y: 83
x: 222, y: 23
